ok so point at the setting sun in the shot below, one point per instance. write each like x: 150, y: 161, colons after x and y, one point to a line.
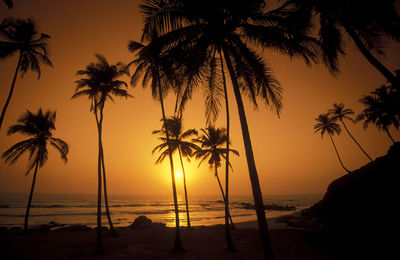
x: 178, y: 175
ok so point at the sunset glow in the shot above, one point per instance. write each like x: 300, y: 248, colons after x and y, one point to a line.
x: 290, y: 158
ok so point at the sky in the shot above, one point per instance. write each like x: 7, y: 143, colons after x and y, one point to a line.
x: 290, y: 158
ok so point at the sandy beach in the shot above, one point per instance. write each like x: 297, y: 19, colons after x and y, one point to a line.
x: 156, y: 241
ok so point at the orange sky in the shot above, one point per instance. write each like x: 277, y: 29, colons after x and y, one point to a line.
x: 290, y: 158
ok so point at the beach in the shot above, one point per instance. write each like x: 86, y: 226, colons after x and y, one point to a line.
x: 155, y: 241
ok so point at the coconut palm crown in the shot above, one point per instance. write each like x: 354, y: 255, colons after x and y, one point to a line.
x: 339, y: 112
x: 20, y: 36
x: 39, y: 127
x: 327, y: 125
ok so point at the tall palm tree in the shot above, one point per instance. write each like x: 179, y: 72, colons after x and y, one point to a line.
x: 100, y: 82
x: 211, y: 143
x: 233, y: 28
x: 381, y: 106
x: 39, y: 127
x: 366, y: 22
x: 338, y: 112
x: 152, y: 65
x: 327, y: 124
x: 21, y: 36
x: 177, y: 143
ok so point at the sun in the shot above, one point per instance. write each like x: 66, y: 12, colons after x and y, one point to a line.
x: 178, y: 175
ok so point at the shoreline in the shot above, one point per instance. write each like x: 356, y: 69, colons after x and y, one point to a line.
x: 155, y: 241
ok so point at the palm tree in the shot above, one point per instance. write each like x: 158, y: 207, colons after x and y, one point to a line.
x: 381, y: 106
x: 366, y: 22
x: 154, y: 66
x: 338, y: 112
x: 232, y: 28
x: 39, y: 127
x: 328, y: 125
x: 101, y: 81
x: 21, y: 36
x: 211, y: 143
x: 177, y: 143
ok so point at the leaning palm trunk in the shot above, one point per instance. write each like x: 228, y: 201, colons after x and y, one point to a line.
x: 368, y: 55
x: 28, y: 207
x: 3, y: 112
x: 99, y: 244
x: 184, y: 186
x: 223, y: 194
x: 359, y: 146
x: 104, y: 174
x: 229, y: 241
x: 388, y: 133
x: 337, y: 153
x: 105, y: 191
x: 255, y: 184
x: 178, y: 244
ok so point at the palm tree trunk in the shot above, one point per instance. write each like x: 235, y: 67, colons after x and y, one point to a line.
x: 104, y: 174
x: 255, y: 184
x: 99, y: 243
x: 334, y: 146
x: 368, y: 55
x: 229, y: 242
x: 388, y: 133
x: 184, y: 186
x: 223, y: 194
x: 178, y: 247
x: 28, y: 207
x: 345, y: 127
x: 3, y: 112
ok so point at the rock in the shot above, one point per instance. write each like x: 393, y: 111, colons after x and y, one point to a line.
x: 360, y: 205
x: 144, y: 222
x: 246, y: 205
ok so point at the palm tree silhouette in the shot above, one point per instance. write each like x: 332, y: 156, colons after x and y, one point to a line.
x: 338, y: 112
x: 101, y: 81
x: 231, y: 28
x: 381, y: 106
x: 328, y: 125
x: 211, y: 143
x: 39, y: 127
x: 178, y: 143
x: 20, y: 36
x: 366, y: 24
x: 156, y: 67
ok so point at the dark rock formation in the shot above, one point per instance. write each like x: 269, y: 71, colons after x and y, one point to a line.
x: 358, y: 209
x: 246, y: 205
x: 144, y: 222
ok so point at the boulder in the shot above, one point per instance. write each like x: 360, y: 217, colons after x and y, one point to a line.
x: 360, y: 205
x: 144, y: 222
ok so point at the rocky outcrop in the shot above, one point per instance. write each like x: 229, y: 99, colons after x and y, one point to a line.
x: 361, y: 204
x: 144, y: 222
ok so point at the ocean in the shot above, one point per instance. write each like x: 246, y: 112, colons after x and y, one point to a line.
x: 73, y: 209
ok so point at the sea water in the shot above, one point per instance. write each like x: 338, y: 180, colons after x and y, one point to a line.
x: 73, y: 209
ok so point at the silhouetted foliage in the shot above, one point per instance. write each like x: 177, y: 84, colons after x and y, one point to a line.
x: 211, y: 144
x: 100, y: 82
x: 21, y: 36
x: 368, y: 23
x: 156, y: 68
x: 233, y: 28
x: 327, y: 124
x: 39, y: 127
x: 381, y: 109
x: 340, y: 113
x: 178, y: 143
